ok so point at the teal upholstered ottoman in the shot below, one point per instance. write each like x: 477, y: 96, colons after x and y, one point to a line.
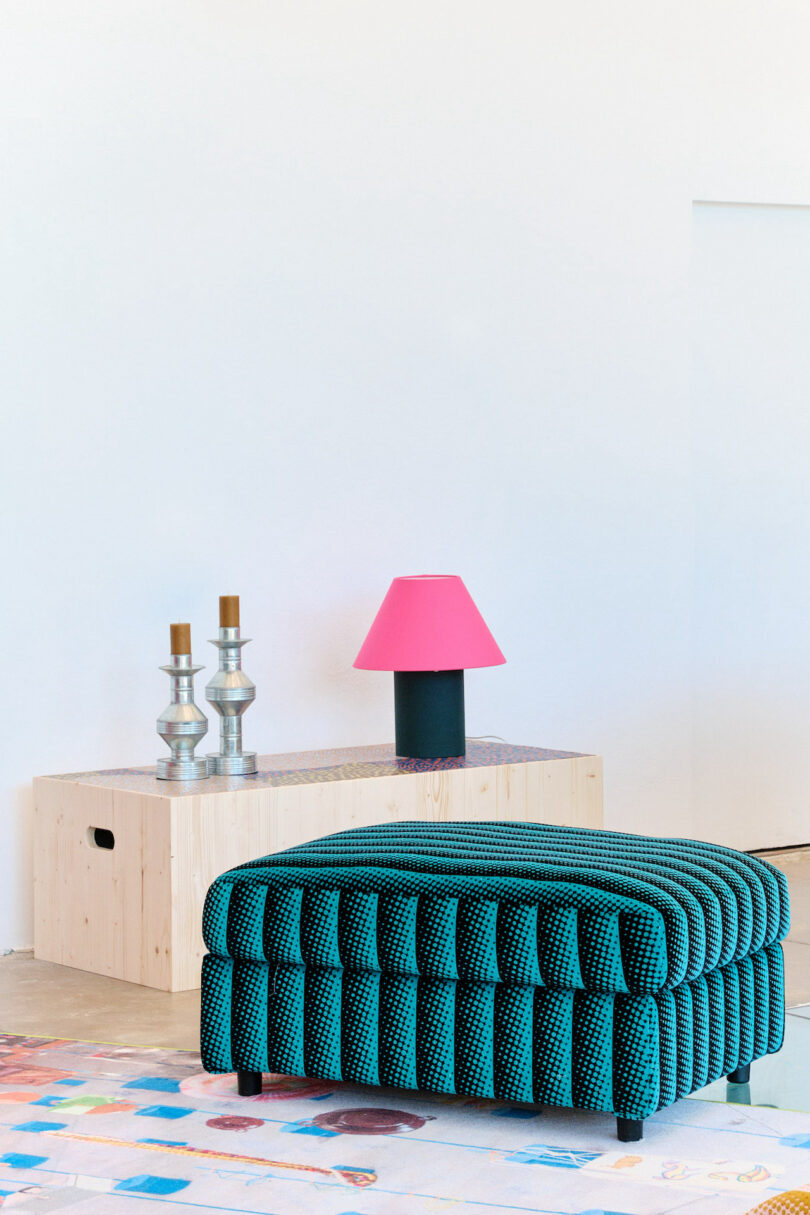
x: 518, y: 961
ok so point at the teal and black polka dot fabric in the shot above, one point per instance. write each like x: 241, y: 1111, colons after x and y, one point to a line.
x: 512, y: 960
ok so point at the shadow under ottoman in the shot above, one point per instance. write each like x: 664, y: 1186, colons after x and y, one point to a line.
x: 525, y: 962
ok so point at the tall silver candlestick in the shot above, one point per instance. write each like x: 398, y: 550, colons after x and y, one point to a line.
x: 182, y: 724
x: 230, y: 692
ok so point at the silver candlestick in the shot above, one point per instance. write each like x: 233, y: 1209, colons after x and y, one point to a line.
x: 182, y: 724
x: 230, y: 692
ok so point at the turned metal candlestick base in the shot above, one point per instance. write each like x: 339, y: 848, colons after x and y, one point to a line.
x: 182, y: 724
x: 230, y: 692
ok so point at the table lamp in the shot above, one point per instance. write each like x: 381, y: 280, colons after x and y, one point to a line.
x: 428, y: 631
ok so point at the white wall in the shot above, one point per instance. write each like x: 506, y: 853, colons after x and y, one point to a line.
x: 298, y: 296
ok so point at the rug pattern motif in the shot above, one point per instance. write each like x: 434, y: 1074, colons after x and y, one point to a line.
x: 102, y: 1129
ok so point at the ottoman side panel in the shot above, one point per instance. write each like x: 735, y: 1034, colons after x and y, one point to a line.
x: 360, y: 1028
x: 215, y: 1014
x: 250, y: 999
x: 322, y: 1023
x: 636, y: 1075
x: 719, y: 1022
x: 596, y: 1051
x: 592, y: 1078
x: 512, y: 1054
x: 475, y: 1036
x: 776, y: 989
x: 283, y: 1022
x: 398, y: 1004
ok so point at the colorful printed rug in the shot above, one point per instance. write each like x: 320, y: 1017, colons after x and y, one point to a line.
x: 103, y: 1129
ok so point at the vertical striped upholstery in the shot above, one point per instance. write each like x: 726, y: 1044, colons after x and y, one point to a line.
x: 518, y: 961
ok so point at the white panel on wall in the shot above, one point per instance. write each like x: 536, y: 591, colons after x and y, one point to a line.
x: 751, y: 96
x: 751, y: 391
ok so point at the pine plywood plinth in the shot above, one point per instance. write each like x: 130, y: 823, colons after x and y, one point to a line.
x: 133, y: 911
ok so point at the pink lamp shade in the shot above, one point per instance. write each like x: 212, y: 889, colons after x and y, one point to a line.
x: 428, y: 623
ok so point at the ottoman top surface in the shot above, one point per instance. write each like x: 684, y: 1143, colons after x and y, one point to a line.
x: 493, y: 902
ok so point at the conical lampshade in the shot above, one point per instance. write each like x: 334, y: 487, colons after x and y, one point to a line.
x: 428, y: 623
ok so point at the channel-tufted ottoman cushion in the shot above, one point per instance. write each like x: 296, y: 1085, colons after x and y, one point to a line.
x: 512, y: 960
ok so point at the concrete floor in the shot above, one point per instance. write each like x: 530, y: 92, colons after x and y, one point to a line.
x: 41, y: 998
x: 44, y: 999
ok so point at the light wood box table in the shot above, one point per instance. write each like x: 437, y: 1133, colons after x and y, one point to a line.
x: 133, y: 910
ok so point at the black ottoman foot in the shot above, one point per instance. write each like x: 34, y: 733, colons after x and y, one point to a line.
x: 741, y: 1076
x: 249, y: 1083
x: 629, y: 1130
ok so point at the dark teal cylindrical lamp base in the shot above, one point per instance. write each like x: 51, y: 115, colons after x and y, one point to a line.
x: 429, y: 711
